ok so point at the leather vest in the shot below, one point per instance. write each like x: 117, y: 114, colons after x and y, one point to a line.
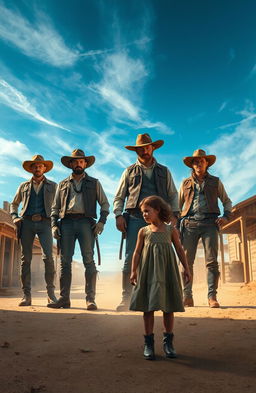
x: 49, y: 188
x: 210, y: 192
x: 159, y: 177
x: 36, y: 203
x: 89, y: 192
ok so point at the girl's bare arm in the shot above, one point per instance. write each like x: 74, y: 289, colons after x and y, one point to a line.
x: 136, y: 256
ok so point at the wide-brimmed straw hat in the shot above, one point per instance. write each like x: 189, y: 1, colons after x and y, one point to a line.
x: 145, y: 140
x: 76, y: 154
x: 199, y: 153
x: 37, y: 159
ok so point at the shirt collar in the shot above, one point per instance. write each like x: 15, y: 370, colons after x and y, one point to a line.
x: 71, y: 178
x: 44, y: 180
x: 147, y: 167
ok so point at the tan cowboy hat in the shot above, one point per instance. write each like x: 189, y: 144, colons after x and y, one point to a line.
x: 199, y: 153
x: 145, y: 140
x: 76, y: 154
x: 37, y: 159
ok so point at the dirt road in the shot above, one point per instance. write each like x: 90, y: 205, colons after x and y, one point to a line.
x: 55, y: 351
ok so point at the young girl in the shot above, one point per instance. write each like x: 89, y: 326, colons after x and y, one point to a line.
x: 158, y: 284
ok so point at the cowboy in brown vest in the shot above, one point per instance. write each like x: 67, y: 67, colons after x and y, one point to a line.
x: 74, y: 218
x: 198, y: 201
x: 36, y: 196
x: 144, y: 178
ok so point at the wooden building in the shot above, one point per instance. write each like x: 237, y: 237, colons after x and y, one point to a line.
x: 241, y: 236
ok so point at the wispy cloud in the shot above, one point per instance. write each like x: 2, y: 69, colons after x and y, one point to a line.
x: 236, y: 158
x: 39, y: 40
x: 223, y: 106
x: 57, y: 143
x: 108, y: 149
x: 14, y: 99
x: 123, y: 78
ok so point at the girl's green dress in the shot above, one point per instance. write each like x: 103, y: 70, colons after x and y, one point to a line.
x: 159, y: 285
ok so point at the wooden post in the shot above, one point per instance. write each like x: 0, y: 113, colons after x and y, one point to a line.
x: 245, y: 249
x: 11, y: 260
x: 222, y: 263
x: 2, y: 251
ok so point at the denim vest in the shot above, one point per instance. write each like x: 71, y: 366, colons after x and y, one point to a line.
x: 36, y: 203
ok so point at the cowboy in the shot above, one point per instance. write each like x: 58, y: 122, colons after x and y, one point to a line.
x: 198, y: 201
x: 75, y: 205
x: 144, y: 178
x: 36, y: 196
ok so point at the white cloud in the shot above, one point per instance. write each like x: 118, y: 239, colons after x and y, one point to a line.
x: 56, y: 143
x: 13, y: 149
x: 107, y: 151
x: 14, y: 99
x: 123, y: 78
x: 10, y: 153
x: 236, y: 159
x: 40, y: 41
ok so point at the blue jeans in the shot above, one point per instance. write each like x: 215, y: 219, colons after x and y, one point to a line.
x: 29, y: 229
x: 72, y: 230
x: 209, y: 236
x: 134, y: 225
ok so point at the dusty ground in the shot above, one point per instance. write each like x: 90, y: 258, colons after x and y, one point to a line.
x: 53, y: 351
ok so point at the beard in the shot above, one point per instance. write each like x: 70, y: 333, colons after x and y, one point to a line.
x: 37, y: 174
x: 78, y: 170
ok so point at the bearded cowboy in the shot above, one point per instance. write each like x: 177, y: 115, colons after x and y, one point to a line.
x: 144, y: 178
x: 36, y: 196
x: 198, y: 201
x: 75, y: 205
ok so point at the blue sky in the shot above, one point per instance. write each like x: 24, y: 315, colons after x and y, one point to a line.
x: 93, y: 74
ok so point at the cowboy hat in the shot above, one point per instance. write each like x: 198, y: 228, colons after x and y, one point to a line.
x: 145, y: 140
x: 37, y: 159
x: 76, y: 154
x: 199, y: 153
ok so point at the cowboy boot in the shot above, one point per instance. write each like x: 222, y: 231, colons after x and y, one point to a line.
x: 26, y: 300
x: 188, y: 300
x: 213, y: 275
x: 64, y: 300
x: 149, y: 350
x: 126, y: 293
x: 26, y: 284
x: 49, y: 279
x: 90, y: 290
x: 51, y: 296
x: 168, y: 346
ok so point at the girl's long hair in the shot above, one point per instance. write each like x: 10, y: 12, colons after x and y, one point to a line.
x: 160, y: 205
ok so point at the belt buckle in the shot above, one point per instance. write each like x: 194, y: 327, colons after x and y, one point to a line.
x: 36, y: 217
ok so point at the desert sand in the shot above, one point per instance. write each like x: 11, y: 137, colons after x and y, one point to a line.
x: 74, y: 350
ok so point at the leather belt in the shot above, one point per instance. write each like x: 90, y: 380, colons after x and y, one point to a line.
x: 135, y: 213
x: 36, y: 218
x: 75, y: 216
